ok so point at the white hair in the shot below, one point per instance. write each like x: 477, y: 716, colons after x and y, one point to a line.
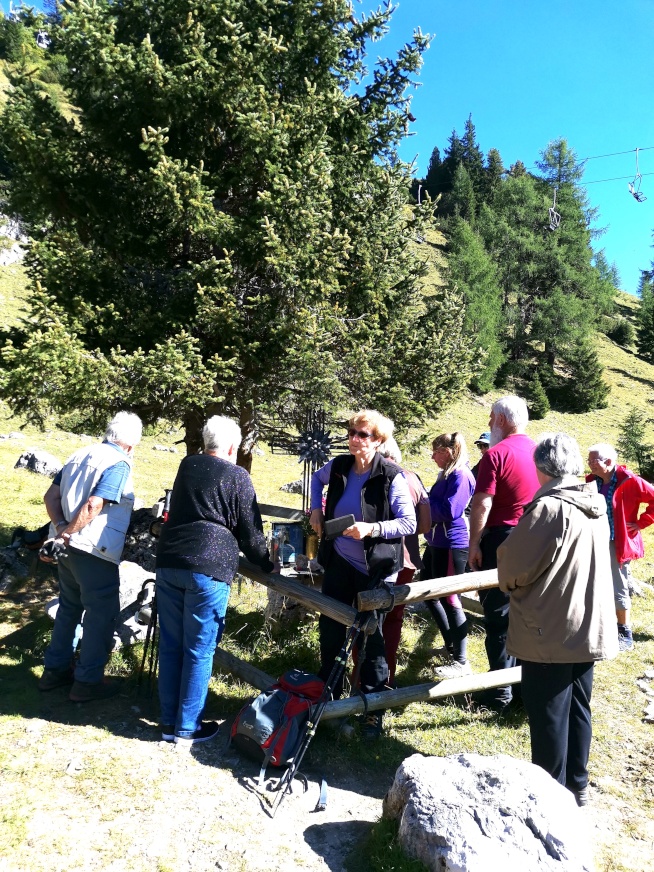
x: 604, y: 451
x: 390, y: 449
x: 514, y: 410
x: 557, y: 454
x: 221, y: 433
x: 125, y: 428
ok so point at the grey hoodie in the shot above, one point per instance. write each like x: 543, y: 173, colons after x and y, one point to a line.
x: 556, y: 566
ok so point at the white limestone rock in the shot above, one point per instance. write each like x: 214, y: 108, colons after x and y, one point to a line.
x: 38, y: 461
x: 469, y: 813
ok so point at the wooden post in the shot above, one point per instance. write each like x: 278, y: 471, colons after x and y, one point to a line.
x: 242, y: 669
x: 433, y: 588
x: 353, y: 705
x: 310, y: 598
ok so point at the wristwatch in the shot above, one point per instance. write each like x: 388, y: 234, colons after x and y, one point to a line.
x: 376, y: 531
x: 61, y: 524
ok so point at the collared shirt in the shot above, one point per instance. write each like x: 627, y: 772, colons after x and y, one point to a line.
x: 607, y: 489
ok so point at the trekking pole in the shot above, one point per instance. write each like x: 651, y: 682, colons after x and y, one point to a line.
x: 340, y: 664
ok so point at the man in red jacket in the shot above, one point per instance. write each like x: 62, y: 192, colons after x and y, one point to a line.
x: 624, y: 492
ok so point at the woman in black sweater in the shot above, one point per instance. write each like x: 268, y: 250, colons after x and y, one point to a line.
x: 213, y: 514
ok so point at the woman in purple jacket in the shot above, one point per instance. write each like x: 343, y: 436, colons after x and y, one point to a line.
x: 449, y: 536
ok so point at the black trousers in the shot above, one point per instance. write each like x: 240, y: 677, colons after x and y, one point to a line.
x: 556, y: 697
x: 447, y: 611
x: 343, y: 582
x: 496, y: 611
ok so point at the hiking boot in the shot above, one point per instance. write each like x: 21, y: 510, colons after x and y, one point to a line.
x: 82, y: 691
x: 372, y: 726
x: 581, y: 796
x: 168, y: 732
x: 207, y: 731
x: 52, y: 678
x: 625, y: 638
x: 453, y: 670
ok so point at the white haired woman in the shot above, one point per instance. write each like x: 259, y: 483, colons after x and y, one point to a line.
x: 213, y: 514
x: 366, y: 485
x: 554, y: 566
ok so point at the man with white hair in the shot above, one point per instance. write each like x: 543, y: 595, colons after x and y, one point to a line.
x: 90, y: 505
x: 624, y: 492
x: 506, y: 483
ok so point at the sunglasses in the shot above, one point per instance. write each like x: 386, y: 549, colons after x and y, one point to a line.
x: 360, y: 433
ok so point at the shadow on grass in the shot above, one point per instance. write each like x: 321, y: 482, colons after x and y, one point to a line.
x: 648, y: 382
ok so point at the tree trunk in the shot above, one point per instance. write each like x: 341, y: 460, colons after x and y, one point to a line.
x: 193, y: 422
x: 250, y: 432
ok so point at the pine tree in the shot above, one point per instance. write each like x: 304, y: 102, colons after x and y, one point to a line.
x: 492, y: 176
x: 587, y: 389
x: 473, y: 273
x: 632, y: 445
x: 462, y: 201
x: 473, y: 158
x: 645, y: 326
x: 433, y: 181
x: 224, y: 225
x: 539, y: 405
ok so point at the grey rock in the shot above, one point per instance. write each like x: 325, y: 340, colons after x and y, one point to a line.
x: 38, y: 461
x: 293, y: 487
x: 468, y: 813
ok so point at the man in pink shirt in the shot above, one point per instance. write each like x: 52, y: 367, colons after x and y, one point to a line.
x: 506, y: 483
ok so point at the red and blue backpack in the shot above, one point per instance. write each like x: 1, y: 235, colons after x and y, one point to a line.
x: 270, y: 728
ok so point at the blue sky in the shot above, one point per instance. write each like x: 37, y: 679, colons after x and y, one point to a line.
x: 530, y: 72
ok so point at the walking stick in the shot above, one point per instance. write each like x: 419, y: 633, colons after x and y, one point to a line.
x: 340, y: 664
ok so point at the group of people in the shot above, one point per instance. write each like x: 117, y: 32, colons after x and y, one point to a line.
x: 561, y: 548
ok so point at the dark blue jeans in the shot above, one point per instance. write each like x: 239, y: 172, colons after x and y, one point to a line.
x: 191, y: 608
x: 557, y: 699
x: 496, y: 613
x: 88, y: 585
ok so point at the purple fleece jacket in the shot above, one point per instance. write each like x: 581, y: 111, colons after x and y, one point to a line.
x: 448, y: 499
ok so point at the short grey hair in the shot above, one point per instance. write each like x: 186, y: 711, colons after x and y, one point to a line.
x: 390, y: 449
x: 557, y: 454
x: 604, y: 451
x: 514, y: 410
x: 221, y: 433
x: 125, y: 428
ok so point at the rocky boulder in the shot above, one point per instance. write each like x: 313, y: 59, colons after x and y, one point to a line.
x: 470, y: 813
x: 41, y: 462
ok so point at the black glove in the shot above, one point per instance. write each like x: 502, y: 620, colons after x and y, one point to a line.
x: 52, y: 550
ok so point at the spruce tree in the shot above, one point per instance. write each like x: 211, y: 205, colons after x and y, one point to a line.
x: 539, y: 405
x: 223, y: 226
x: 473, y: 273
x: 587, y: 390
x: 645, y: 322
x: 632, y: 444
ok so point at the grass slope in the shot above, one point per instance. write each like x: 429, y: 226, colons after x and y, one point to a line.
x: 623, y: 794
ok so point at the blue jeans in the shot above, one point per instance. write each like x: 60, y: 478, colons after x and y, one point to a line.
x: 91, y: 585
x: 191, y: 608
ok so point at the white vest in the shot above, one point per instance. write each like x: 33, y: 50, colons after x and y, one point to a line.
x: 104, y: 537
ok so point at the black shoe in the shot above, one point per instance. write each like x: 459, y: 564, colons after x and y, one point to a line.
x: 581, y: 796
x: 372, y: 727
x: 483, y: 700
x: 168, y: 732
x: 207, y: 731
x: 52, y: 678
x: 82, y: 691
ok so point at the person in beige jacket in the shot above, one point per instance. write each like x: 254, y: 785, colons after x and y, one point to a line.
x: 555, y: 565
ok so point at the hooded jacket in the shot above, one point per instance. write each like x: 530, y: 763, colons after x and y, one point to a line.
x: 631, y: 491
x: 555, y: 565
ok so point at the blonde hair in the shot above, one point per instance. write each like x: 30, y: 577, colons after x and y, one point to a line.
x: 457, y: 445
x: 379, y: 425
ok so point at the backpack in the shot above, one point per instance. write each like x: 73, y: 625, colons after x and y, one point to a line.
x: 270, y: 728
